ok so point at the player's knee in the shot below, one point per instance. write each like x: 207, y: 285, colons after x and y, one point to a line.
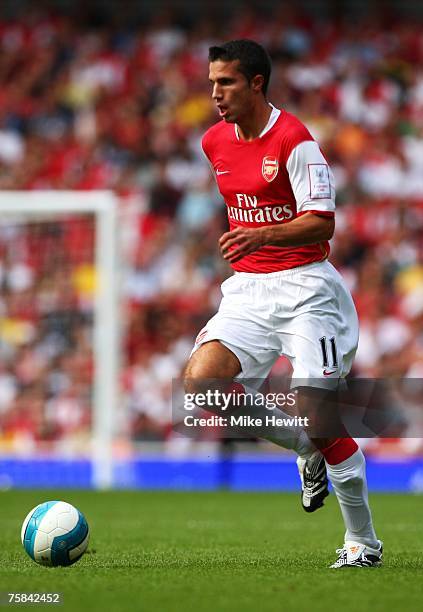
x: 193, y: 377
x: 197, y: 370
x: 198, y: 380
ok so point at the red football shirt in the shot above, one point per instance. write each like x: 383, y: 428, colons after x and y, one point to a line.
x: 271, y: 180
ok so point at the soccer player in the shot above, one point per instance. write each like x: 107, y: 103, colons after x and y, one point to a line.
x: 285, y: 298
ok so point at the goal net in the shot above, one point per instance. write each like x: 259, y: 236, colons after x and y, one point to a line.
x: 58, y: 328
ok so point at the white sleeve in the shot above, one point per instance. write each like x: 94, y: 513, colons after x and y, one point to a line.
x: 311, y: 178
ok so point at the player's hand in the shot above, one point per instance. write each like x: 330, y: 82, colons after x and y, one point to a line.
x: 240, y: 242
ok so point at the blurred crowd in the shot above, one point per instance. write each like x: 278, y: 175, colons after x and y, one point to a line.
x: 124, y: 108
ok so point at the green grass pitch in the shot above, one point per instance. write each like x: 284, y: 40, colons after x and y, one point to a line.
x: 172, y: 552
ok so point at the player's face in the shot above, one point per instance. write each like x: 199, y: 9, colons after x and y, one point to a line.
x: 231, y: 92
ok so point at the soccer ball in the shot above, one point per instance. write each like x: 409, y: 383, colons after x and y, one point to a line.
x: 55, y: 533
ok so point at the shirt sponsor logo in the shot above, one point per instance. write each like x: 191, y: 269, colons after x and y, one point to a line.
x: 243, y: 198
x: 269, y: 168
x: 264, y: 214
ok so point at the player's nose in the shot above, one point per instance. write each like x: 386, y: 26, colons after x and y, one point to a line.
x: 216, y: 92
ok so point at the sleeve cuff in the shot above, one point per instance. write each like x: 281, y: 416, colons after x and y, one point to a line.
x: 320, y: 213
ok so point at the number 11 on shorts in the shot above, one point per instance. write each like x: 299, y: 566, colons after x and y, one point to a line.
x: 325, y: 355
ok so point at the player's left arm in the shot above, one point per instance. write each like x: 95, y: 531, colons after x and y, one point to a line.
x: 313, y: 186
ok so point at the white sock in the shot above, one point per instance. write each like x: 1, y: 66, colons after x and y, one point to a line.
x: 349, y: 482
x: 298, y: 441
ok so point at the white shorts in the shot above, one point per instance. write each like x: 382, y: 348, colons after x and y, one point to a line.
x: 306, y: 314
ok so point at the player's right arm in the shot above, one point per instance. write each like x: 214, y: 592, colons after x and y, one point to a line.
x: 308, y: 229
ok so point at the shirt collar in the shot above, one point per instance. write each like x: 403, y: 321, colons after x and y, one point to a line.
x: 271, y: 122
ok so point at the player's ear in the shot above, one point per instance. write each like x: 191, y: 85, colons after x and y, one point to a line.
x: 257, y: 83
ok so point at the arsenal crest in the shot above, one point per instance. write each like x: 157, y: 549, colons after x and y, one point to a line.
x: 270, y: 168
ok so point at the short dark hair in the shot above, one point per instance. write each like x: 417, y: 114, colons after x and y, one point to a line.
x: 253, y: 59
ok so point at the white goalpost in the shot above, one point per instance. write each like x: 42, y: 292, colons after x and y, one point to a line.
x: 24, y: 207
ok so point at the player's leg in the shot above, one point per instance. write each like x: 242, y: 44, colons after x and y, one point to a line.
x: 322, y: 350
x: 345, y: 464
x: 346, y: 467
x: 214, y: 366
x: 237, y: 343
